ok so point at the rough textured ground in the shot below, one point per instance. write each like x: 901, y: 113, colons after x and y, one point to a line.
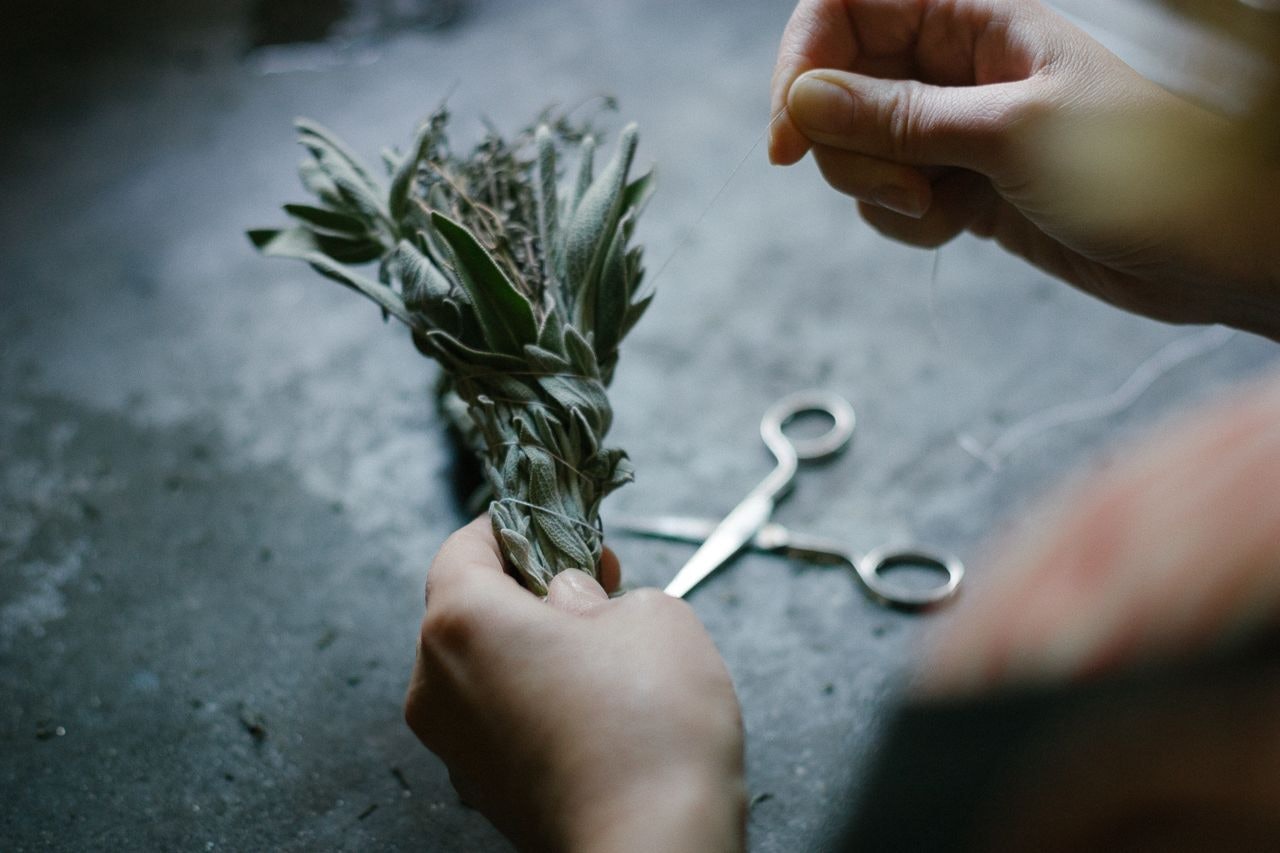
x: 221, y: 480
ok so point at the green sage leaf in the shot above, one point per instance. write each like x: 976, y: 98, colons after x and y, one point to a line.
x: 548, y: 220
x: 638, y: 192
x: 316, y: 137
x: 468, y: 360
x: 612, y: 298
x: 332, y: 221
x: 586, y: 169
x: 589, y: 233
x: 504, y: 313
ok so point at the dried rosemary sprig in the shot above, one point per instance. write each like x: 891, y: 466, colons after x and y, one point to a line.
x: 520, y: 288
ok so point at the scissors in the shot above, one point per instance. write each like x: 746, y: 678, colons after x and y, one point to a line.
x: 748, y: 523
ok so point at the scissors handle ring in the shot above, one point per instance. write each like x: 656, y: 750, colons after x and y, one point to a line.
x: 802, y: 402
x: 872, y: 567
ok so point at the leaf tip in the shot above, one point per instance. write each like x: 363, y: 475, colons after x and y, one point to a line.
x: 261, y: 237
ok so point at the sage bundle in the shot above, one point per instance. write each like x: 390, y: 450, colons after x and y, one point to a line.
x: 520, y: 284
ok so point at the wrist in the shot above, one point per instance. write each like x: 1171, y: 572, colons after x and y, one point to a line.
x: 685, y: 811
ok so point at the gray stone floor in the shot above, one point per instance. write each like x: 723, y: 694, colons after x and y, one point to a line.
x: 221, y: 480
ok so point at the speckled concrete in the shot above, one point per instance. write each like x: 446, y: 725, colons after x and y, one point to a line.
x: 221, y: 480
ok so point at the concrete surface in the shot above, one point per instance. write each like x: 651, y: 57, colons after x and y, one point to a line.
x: 221, y: 480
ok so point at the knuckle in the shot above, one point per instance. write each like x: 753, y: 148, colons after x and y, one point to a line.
x: 901, y: 121
x: 447, y: 626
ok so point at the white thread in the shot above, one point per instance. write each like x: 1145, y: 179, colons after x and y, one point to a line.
x: 688, y: 232
x: 549, y: 511
x: 1161, y: 363
x: 562, y: 461
x: 936, y: 326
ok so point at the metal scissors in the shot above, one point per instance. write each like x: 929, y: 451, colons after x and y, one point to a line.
x: 748, y: 523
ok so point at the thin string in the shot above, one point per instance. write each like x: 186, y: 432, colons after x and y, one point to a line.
x: 688, y: 232
x: 935, y: 326
x: 549, y: 511
x: 526, y: 404
x: 563, y: 462
x: 1164, y: 361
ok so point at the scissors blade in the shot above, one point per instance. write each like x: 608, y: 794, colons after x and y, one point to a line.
x: 777, y: 539
x: 678, y: 528
x: 772, y: 537
x: 728, y: 538
x: 683, y: 528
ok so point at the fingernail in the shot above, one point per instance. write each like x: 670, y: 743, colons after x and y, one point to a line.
x: 574, y: 591
x: 582, y: 583
x: 905, y: 200
x: 579, y: 585
x: 820, y: 105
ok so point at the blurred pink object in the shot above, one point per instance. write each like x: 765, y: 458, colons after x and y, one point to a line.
x: 1169, y: 549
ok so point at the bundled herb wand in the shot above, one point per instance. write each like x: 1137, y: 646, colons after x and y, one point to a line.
x: 521, y: 291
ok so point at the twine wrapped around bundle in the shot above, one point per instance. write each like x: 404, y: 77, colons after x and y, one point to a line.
x: 521, y: 292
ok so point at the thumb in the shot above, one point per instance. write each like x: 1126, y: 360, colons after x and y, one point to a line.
x: 904, y: 121
x: 575, y: 592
